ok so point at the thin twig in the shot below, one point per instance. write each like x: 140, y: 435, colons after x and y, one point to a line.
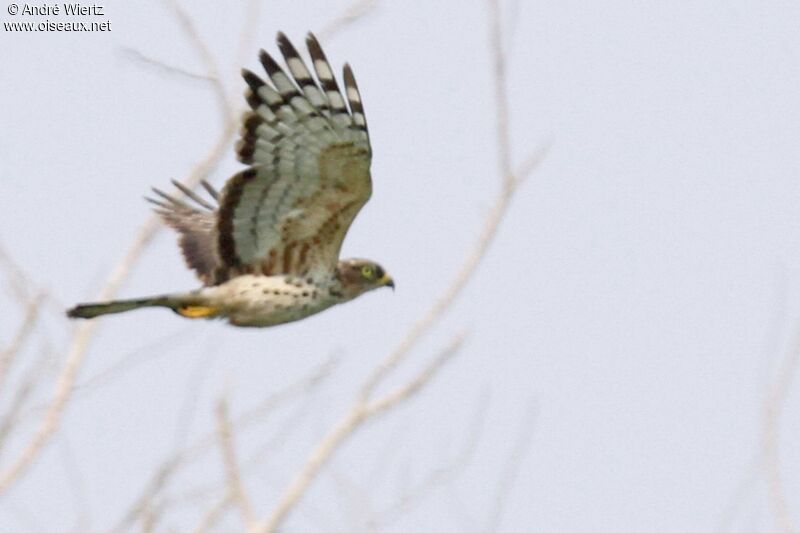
x: 414, y: 385
x: 354, y: 12
x: 773, y: 408
x: 19, y: 282
x: 160, y: 66
x: 208, y: 60
x: 138, y: 356
x: 359, y: 413
x: 501, y: 95
x: 9, y: 353
x: 441, y: 475
x: 247, y: 35
x: 269, y: 448
x: 247, y: 466
x: 170, y: 466
x: 77, y: 485
x: 355, y: 501
x: 22, y: 393
x: 512, y: 467
x: 770, y: 355
x: 152, y: 517
x: 214, y: 513
x: 235, y: 486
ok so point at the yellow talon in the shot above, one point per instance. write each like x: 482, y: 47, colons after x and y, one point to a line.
x: 197, y: 311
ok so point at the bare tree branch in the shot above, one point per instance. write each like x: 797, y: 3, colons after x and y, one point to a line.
x: 9, y: 353
x: 152, y: 517
x: 355, y: 12
x: 214, y: 513
x: 251, y: 16
x: 773, y: 408
x: 212, y: 70
x: 170, y: 466
x: 512, y: 467
x: 160, y: 66
x: 413, y: 386
x: 235, y: 487
x: 501, y: 96
x: 770, y: 356
x: 72, y: 471
x: 19, y: 282
x: 248, y: 467
x: 137, y: 356
x: 359, y: 413
x: 22, y: 393
x: 441, y: 475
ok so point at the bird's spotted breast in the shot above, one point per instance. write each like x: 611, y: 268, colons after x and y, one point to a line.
x: 259, y: 301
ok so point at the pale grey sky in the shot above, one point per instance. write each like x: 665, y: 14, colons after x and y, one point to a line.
x: 641, y: 293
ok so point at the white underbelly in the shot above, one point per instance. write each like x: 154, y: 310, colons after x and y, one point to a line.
x: 260, y: 301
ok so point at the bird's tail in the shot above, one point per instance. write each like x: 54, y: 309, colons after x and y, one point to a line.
x: 92, y: 310
x: 188, y: 304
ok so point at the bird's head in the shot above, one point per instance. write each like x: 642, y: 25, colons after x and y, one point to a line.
x: 358, y: 276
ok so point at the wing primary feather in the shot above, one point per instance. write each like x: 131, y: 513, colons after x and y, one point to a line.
x: 325, y: 75
x: 196, y: 225
x: 171, y: 199
x: 155, y: 202
x: 262, y: 93
x: 193, y: 195
x: 354, y: 98
x: 255, y: 83
x: 210, y: 189
x: 253, y: 80
x: 280, y: 80
x: 284, y: 109
x: 296, y: 105
x: 302, y: 76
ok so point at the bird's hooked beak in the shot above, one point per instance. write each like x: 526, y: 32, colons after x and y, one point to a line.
x: 386, y: 281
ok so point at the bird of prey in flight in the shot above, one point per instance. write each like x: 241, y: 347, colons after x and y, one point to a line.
x: 267, y: 246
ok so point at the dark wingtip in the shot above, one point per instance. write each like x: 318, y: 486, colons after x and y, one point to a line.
x: 313, y: 44
x: 270, y: 65
x: 282, y: 40
x: 286, y: 47
x: 252, y: 80
x: 349, y: 77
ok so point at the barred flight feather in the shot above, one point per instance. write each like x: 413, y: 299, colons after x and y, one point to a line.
x: 197, y: 226
x: 309, y: 154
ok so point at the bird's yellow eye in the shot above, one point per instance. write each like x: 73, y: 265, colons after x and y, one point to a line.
x: 368, y: 272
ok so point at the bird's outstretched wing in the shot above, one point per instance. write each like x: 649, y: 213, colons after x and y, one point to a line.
x: 309, y: 158
x: 196, y: 223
